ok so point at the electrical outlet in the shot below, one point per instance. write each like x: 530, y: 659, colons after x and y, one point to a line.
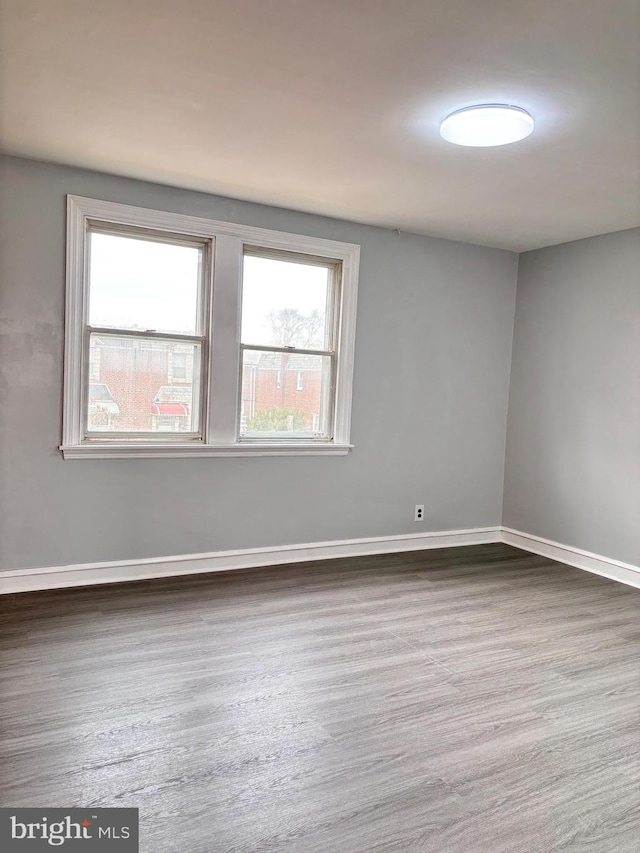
x: 419, y: 514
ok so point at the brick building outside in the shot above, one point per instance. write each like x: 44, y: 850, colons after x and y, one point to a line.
x: 142, y: 385
x: 277, y: 380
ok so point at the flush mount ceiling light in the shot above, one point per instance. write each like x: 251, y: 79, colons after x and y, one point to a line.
x: 487, y: 124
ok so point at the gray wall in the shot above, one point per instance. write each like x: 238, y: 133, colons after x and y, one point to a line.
x: 435, y: 324
x: 573, y: 442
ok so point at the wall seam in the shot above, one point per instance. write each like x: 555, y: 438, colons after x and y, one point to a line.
x: 506, y: 421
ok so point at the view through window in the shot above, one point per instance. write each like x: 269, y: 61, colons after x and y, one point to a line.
x: 287, y: 346
x: 188, y: 336
x: 145, y: 341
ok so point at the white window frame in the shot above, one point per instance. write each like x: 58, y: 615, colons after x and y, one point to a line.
x: 222, y: 387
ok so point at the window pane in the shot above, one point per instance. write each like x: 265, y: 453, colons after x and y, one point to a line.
x: 286, y: 303
x: 285, y: 394
x: 133, y: 387
x: 143, y: 284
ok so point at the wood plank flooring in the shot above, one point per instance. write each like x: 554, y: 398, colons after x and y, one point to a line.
x: 470, y: 700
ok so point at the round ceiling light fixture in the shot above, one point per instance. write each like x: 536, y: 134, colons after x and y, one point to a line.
x: 487, y: 124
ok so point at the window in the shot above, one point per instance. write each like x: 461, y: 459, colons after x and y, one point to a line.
x: 146, y: 319
x: 288, y: 324
x: 179, y: 367
x: 186, y: 336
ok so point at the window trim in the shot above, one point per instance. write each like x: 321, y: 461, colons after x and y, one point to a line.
x: 223, y: 284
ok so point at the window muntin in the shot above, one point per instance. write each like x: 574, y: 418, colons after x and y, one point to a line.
x: 288, y: 329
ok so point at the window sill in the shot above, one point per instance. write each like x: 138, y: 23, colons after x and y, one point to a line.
x: 186, y: 451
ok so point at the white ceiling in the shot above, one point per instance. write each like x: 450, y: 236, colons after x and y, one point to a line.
x: 333, y: 106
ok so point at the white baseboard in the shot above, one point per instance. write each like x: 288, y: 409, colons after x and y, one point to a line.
x: 84, y: 574
x: 597, y: 564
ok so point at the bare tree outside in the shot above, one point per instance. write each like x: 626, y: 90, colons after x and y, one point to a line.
x: 291, y: 328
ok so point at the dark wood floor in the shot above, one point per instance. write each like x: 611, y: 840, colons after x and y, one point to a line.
x: 476, y: 700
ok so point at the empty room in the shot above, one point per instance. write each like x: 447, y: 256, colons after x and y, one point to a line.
x: 320, y: 426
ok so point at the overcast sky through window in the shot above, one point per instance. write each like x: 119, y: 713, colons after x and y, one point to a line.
x: 142, y: 284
